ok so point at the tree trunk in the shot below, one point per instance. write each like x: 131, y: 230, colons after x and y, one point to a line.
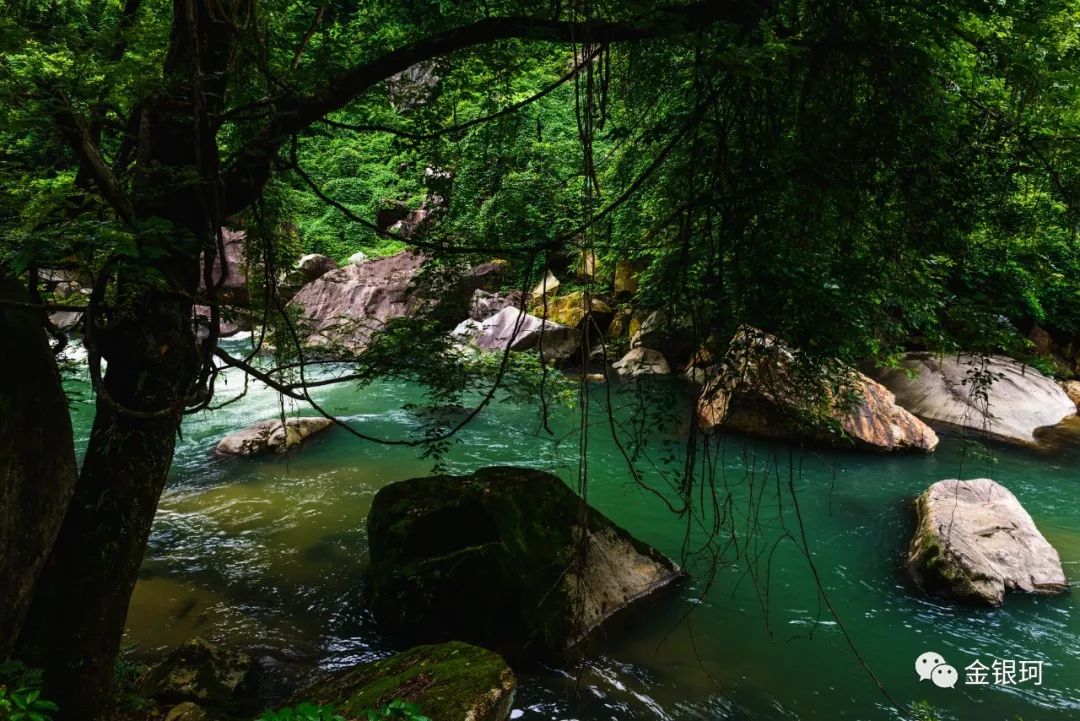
x: 76, y: 621
x: 37, y: 456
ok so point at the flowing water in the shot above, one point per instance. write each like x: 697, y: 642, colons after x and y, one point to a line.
x: 270, y: 553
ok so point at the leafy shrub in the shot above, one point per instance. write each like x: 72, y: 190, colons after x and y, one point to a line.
x: 20, y: 694
x: 396, y: 710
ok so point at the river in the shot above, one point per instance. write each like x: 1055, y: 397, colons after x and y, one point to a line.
x: 270, y: 553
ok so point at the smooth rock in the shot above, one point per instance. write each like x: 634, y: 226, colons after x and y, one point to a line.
x: 498, y: 558
x: 674, y: 337
x: 201, y: 672
x: 270, y: 436
x: 974, y: 541
x: 755, y: 389
x: 521, y: 332
x: 953, y: 389
x: 358, y: 258
x: 66, y: 320
x: 642, y: 361
x: 448, y: 682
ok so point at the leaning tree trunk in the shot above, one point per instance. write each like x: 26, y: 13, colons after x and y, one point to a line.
x: 37, y: 457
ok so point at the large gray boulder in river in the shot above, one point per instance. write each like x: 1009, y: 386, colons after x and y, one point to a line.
x: 974, y: 541
x: 759, y: 388
x: 270, y: 436
x: 508, y: 558
x: 994, y: 394
x: 448, y: 682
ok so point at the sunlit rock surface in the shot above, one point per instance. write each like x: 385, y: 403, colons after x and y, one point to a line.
x: 974, y: 542
x: 995, y: 394
x: 270, y: 436
x: 757, y: 388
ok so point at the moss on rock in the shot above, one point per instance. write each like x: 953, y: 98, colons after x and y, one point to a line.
x: 508, y: 558
x: 449, y: 682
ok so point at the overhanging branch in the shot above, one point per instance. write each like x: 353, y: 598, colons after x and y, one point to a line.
x: 250, y: 168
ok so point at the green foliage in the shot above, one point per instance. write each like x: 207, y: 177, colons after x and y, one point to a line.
x: 20, y: 694
x: 396, y: 710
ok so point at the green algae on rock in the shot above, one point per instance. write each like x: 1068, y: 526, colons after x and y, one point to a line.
x: 449, y: 682
x: 509, y: 558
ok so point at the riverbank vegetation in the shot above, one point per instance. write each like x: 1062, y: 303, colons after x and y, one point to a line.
x: 860, y: 180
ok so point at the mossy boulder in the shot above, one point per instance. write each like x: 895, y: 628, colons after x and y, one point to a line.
x: 201, y: 672
x: 508, y: 558
x: 974, y: 542
x: 572, y: 309
x: 449, y: 682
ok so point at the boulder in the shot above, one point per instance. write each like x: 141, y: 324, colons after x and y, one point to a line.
x: 314, y: 266
x: 200, y: 672
x: 66, y: 320
x: 548, y: 286
x: 572, y: 309
x: 620, y: 324
x: 349, y: 305
x: 674, y: 337
x: 448, y: 682
x: 234, y: 290
x: 642, y: 361
x: 270, y: 436
x: 626, y: 279
x: 521, y: 331
x: 412, y: 87
x: 186, y: 711
x: 509, y: 558
x: 358, y: 258
x: 757, y: 389
x: 485, y: 304
x: 974, y: 541
x: 586, y: 269
x: 1072, y: 390
x: 994, y: 394
x: 345, y: 308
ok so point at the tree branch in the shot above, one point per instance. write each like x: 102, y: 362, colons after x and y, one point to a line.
x: 250, y: 168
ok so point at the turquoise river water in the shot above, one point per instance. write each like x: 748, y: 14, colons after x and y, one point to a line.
x: 270, y: 553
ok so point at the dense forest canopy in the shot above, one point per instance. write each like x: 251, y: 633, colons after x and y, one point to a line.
x: 857, y: 178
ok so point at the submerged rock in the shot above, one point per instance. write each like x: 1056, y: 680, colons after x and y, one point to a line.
x: 448, y: 682
x: 509, y: 558
x: 200, y: 672
x: 642, y: 361
x: 974, y: 542
x: 995, y: 394
x: 756, y: 389
x: 271, y: 436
